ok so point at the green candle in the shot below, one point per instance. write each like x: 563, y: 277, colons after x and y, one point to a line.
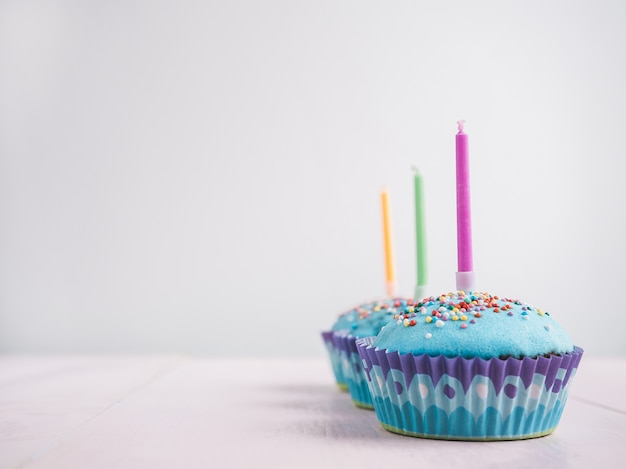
x: 420, y: 236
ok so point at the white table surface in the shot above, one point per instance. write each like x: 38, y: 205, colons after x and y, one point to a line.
x: 179, y: 411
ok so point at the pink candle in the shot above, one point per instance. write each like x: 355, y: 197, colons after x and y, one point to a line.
x: 463, y: 212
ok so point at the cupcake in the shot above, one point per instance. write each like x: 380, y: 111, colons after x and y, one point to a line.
x: 343, y: 322
x: 470, y: 367
x: 365, y: 320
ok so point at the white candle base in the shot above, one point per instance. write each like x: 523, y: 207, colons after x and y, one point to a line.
x: 420, y: 292
x: 465, y: 281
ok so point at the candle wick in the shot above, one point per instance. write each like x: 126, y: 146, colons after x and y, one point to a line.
x: 415, y: 169
x: 460, y: 123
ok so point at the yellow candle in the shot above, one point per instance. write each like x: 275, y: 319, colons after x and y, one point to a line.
x: 390, y: 271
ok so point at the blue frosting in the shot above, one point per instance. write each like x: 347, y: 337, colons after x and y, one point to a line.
x: 474, y: 325
x: 367, y: 319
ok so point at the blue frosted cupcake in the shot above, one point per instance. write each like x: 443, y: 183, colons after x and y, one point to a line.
x: 344, y: 322
x: 370, y: 319
x: 365, y: 320
x: 335, y: 362
x: 470, y: 367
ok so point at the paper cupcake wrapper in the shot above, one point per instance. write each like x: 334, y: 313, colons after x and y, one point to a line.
x: 353, y: 371
x: 335, y: 361
x: 468, y: 399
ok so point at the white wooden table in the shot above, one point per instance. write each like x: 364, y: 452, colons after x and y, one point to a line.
x: 184, y: 412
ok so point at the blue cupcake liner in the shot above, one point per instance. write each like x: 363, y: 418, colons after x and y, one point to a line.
x: 352, y: 369
x: 335, y: 361
x: 468, y: 398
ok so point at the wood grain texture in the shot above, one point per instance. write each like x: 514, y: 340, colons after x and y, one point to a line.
x: 44, y: 401
x: 198, y: 413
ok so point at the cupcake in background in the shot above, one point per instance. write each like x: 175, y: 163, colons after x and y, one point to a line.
x: 362, y: 321
x: 375, y: 316
x: 369, y: 319
x: 345, y: 322
x: 335, y: 363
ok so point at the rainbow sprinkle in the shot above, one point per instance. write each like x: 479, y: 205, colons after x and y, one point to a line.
x: 464, y: 308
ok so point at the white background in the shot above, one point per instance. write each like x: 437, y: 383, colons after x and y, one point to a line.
x: 205, y: 176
